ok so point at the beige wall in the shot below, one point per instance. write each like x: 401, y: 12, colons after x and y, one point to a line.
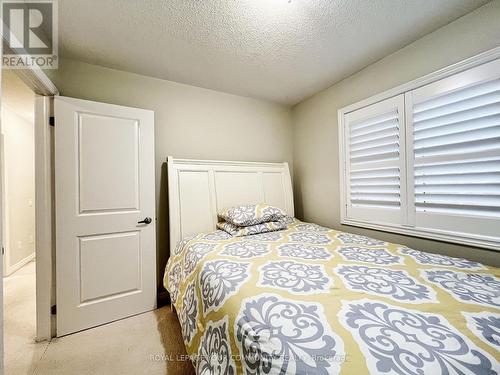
x: 316, y: 169
x: 19, y: 187
x: 190, y: 122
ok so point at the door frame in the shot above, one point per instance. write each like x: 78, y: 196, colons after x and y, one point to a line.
x: 44, y: 91
x: 44, y: 218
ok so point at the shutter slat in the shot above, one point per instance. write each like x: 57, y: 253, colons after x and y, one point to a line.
x: 393, y: 181
x: 374, y: 134
x: 476, y: 166
x: 459, y: 107
x: 372, y: 197
x: 452, y: 158
x: 467, y: 115
x: 456, y: 96
x: 375, y: 203
x: 375, y: 121
x: 477, y: 123
x: 375, y: 172
x: 463, y: 178
x: 376, y: 157
x: 459, y: 199
x: 458, y: 137
x: 376, y: 151
x: 481, y: 188
x: 458, y: 210
x: 470, y: 147
x: 376, y: 189
x: 391, y: 139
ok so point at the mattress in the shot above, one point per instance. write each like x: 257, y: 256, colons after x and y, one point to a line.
x: 312, y: 300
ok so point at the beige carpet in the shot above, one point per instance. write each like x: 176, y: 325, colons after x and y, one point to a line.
x: 149, y: 343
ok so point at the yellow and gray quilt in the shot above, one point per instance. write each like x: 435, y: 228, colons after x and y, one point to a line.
x: 312, y: 300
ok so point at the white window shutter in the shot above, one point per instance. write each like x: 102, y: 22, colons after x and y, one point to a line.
x: 455, y: 124
x: 374, y: 162
x: 427, y: 162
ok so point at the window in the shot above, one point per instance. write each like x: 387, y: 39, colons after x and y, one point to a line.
x: 426, y: 161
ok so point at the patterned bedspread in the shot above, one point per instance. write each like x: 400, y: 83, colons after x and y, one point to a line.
x: 311, y: 300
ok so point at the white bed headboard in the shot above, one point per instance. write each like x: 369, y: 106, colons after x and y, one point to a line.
x: 198, y: 189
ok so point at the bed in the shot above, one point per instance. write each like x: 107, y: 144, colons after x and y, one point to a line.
x: 312, y: 300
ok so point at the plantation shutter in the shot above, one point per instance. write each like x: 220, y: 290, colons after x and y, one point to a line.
x: 456, y: 152
x: 375, y: 162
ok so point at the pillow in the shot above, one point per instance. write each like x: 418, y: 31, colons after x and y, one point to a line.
x: 236, y: 231
x: 251, y: 214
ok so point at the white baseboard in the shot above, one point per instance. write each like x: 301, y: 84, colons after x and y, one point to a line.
x: 10, y: 270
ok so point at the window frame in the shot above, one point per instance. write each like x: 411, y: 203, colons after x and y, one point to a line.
x: 407, y: 228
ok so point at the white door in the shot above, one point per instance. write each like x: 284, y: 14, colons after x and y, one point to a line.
x: 104, y: 182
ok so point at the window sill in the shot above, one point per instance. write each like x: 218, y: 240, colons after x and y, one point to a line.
x: 467, y: 239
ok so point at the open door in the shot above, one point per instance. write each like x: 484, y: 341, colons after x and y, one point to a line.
x: 105, y: 213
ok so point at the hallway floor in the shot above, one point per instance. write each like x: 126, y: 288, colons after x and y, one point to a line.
x: 148, y: 343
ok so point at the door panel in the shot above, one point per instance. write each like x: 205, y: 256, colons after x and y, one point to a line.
x: 104, y: 171
x: 109, y: 176
x: 104, y: 255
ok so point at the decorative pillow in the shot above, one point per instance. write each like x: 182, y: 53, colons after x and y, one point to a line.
x: 251, y: 214
x: 237, y: 231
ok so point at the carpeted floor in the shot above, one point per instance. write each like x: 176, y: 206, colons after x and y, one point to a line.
x: 149, y: 343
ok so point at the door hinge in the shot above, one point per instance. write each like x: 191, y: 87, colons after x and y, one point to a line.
x: 52, y: 121
x: 3, y: 250
x: 53, y: 309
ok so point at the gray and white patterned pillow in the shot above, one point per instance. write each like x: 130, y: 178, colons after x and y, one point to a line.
x: 252, y: 214
x: 236, y: 231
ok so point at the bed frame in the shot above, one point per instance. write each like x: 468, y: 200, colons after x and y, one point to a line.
x: 198, y: 189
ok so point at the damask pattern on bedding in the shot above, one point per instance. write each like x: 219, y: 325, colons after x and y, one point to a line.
x: 312, y: 300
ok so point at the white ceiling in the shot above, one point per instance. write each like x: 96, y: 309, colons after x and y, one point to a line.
x: 278, y: 50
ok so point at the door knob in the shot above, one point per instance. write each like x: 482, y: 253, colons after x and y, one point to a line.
x: 147, y: 220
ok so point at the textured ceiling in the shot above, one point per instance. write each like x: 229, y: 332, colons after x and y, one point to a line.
x: 278, y: 50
